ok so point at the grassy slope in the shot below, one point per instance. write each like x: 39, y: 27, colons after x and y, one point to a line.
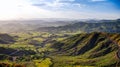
x: 89, y: 50
x: 92, y: 49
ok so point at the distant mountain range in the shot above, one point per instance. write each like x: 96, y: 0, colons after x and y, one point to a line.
x: 60, y: 25
x: 86, y: 26
x: 25, y: 25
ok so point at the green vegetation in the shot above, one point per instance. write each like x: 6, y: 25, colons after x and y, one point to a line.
x: 42, y: 49
x: 44, y: 63
x: 93, y: 49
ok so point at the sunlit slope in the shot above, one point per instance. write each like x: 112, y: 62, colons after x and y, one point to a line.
x: 93, y: 49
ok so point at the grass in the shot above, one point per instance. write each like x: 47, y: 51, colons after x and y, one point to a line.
x: 7, y: 63
x: 44, y: 63
x: 80, y: 61
x: 62, y: 61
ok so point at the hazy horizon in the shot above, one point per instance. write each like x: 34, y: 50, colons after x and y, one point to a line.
x: 58, y: 19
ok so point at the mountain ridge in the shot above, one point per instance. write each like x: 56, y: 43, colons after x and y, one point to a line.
x: 94, y: 48
x: 112, y: 26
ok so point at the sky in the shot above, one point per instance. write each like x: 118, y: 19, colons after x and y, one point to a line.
x: 71, y: 9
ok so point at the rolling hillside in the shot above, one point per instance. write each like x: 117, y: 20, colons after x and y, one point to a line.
x: 36, y: 49
x: 6, y: 39
x: 93, y: 49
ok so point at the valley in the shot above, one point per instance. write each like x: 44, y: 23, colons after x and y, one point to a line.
x: 63, y: 46
x: 59, y: 33
x: 37, y: 49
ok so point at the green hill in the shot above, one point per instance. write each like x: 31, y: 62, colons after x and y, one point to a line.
x: 76, y: 50
x: 93, y: 49
x: 6, y: 39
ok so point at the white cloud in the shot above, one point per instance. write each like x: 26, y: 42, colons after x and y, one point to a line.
x: 59, y: 4
x: 98, y: 0
x: 87, y: 15
x: 17, y: 9
x: 65, y: 0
